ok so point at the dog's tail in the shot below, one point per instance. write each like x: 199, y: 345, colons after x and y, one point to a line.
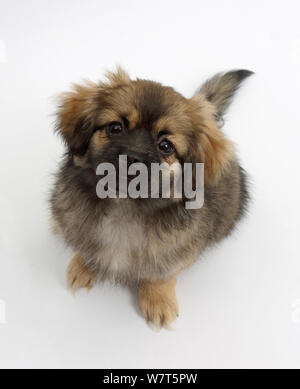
x: 220, y: 89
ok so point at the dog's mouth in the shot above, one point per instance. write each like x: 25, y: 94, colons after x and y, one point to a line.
x: 119, y: 183
x: 137, y: 179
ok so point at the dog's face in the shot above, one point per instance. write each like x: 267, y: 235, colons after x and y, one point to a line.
x: 147, y: 122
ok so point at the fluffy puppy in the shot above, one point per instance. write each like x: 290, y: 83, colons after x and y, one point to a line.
x: 145, y: 242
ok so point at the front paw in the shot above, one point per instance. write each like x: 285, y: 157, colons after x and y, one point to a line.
x: 79, y: 275
x: 158, y: 302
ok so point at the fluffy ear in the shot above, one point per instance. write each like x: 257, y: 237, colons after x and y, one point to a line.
x: 210, y: 146
x: 220, y: 89
x: 77, y: 110
x: 216, y: 152
x: 75, y: 116
x: 208, y: 107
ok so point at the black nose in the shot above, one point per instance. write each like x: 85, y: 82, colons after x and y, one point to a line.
x: 134, y: 157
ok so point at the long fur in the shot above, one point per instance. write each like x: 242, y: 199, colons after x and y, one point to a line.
x: 130, y: 241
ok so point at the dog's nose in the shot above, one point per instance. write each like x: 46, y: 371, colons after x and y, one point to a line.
x: 133, y: 157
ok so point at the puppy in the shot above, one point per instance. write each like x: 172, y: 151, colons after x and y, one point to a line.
x: 144, y: 241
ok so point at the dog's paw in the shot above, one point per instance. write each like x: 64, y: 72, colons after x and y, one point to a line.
x: 158, y: 302
x: 79, y: 275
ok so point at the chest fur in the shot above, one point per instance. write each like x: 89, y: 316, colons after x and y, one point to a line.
x: 122, y: 240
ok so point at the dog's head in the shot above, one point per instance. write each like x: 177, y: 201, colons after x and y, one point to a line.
x: 148, y: 122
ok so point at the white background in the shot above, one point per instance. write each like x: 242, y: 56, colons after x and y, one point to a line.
x: 240, y: 305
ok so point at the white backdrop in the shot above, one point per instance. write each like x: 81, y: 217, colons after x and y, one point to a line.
x: 240, y: 305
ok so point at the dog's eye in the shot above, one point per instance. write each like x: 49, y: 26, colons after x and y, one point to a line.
x: 166, y: 147
x: 114, y: 128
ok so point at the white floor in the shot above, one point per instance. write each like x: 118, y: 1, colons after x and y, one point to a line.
x: 240, y: 305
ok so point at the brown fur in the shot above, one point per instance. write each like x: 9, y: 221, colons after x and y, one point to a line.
x: 120, y: 96
x: 146, y: 242
x: 158, y: 302
x: 79, y: 275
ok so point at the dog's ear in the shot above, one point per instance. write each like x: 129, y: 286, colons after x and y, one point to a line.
x: 220, y: 89
x: 208, y: 107
x: 210, y: 146
x: 77, y: 110
x: 75, y: 116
